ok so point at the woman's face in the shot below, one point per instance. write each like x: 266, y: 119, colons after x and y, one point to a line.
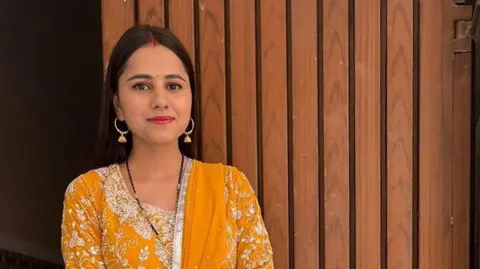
x: 154, y: 96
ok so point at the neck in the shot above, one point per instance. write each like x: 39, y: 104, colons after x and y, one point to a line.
x: 155, y: 161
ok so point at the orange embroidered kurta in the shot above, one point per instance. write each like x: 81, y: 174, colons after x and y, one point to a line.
x: 218, y: 223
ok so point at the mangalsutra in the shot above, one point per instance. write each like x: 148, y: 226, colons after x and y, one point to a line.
x: 138, y: 201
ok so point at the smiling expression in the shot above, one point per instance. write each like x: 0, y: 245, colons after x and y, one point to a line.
x: 154, y: 95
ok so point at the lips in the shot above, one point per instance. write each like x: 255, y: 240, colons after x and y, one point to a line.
x: 161, y: 119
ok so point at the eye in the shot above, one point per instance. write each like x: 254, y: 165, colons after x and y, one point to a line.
x: 173, y: 86
x: 141, y: 87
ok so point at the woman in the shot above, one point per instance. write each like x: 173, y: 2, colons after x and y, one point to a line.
x: 148, y: 205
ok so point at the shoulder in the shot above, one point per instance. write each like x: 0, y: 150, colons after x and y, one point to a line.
x: 233, y: 178
x: 218, y: 170
x: 89, y: 184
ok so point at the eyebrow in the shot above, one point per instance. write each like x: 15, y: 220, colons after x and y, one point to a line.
x: 173, y: 76
x: 145, y: 76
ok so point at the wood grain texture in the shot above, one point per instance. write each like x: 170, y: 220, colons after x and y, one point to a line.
x: 436, y: 135
x: 367, y: 133
x: 305, y: 133
x: 181, y: 22
x: 399, y: 134
x: 243, y: 88
x: 117, y: 17
x: 212, y: 71
x: 274, y: 121
x: 151, y: 12
x: 290, y: 144
x: 462, y: 88
x: 336, y: 133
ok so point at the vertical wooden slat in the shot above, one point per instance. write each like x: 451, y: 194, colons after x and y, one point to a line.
x: 117, y: 17
x: 435, y: 137
x: 243, y: 89
x: 274, y: 131
x: 305, y: 125
x: 443, y: 135
x: 367, y: 133
x: 399, y: 133
x: 151, y: 12
x: 212, y: 71
x: 336, y: 133
x: 461, y: 168
x: 181, y: 22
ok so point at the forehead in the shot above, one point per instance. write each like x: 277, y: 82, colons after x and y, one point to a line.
x: 154, y: 60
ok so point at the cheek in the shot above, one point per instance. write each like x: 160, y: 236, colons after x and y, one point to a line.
x: 188, y: 104
x: 183, y: 112
x: 188, y: 107
x: 182, y: 106
x: 132, y: 106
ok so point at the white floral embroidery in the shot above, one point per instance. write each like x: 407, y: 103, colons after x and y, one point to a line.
x: 98, y: 223
x: 253, y: 241
x: 122, y: 204
x: 82, y: 211
x: 113, y: 250
x: 247, y: 239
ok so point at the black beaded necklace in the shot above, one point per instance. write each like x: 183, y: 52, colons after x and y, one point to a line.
x: 138, y: 201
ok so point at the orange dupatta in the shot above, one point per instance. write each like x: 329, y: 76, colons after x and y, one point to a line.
x: 223, y: 226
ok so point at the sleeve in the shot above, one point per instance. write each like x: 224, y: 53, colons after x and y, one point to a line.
x: 80, y: 229
x: 254, y: 249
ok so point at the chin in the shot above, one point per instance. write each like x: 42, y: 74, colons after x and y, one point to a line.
x: 162, y: 140
x: 158, y: 138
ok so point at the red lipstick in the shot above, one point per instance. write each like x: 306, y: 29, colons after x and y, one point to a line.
x: 161, y: 120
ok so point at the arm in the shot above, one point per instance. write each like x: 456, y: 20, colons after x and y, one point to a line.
x: 254, y: 249
x: 81, y: 234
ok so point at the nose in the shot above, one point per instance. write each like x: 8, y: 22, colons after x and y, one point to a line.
x: 159, y: 99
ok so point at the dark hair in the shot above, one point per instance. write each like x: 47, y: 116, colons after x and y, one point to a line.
x: 109, y: 151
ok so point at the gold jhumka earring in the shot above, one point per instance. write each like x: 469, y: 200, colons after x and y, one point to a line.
x: 121, y: 139
x: 187, y: 138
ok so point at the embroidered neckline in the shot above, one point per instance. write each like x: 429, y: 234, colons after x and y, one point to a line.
x: 151, y: 209
x: 122, y: 203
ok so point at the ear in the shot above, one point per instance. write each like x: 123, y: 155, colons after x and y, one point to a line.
x: 118, y: 108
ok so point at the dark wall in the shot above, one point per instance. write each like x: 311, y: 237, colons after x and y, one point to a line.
x: 50, y: 80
